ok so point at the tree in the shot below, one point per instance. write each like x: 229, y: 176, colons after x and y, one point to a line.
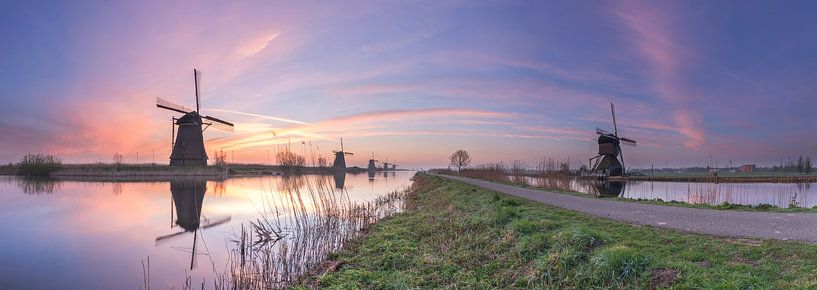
x: 801, y: 165
x: 220, y: 158
x: 117, y: 158
x: 807, y: 164
x: 322, y: 163
x: 460, y: 159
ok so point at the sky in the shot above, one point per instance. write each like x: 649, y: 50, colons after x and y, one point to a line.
x: 413, y: 81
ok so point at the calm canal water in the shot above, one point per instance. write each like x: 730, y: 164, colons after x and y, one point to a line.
x: 96, y: 235
x: 777, y: 194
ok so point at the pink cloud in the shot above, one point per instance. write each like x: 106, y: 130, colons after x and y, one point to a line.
x: 655, y: 38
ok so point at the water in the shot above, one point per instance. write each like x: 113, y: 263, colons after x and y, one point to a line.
x: 776, y: 194
x: 96, y: 235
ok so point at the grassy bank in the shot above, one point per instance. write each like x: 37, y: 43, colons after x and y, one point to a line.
x: 463, y: 236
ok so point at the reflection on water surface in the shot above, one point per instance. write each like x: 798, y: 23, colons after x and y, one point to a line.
x: 95, y: 235
x: 776, y: 194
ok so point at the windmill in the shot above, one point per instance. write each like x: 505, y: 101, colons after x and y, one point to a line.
x: 607, y: 160
x: 372, y: 164
x: 386, y: 164
x: 394, y: 166
x: 187, y: 197
x: 188, y: 144
x: 340, y: 158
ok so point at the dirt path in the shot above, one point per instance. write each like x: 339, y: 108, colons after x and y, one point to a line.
x: 740, y: 224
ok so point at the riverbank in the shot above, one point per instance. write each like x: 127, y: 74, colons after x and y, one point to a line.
x: 724, y: 178
x: 463, y: 236
x: 561, y: 180
x: 137, y: 171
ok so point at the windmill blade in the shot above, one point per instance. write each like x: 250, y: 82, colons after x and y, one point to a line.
x: 218, y: 222
x: 193, y: 252
x: 348, y: 153
x: 166, y: 238
x: 220, y: 124
x: 197, y: 81
x: 168, y: 105
x: 628, y: 142
x: 613, y: 110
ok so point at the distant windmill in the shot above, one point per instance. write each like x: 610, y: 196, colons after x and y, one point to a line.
x: 188, y: 148
x: 340, y: 158
x: 386, y: 164
x: 394, y: 165
x: 607, y: 160
x: 187, y: 197
x: 372, y: 164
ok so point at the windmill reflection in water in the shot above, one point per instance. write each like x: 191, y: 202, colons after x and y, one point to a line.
x: 187, y: 198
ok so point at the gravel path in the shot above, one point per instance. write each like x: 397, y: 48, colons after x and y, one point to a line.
x: 739, y: 224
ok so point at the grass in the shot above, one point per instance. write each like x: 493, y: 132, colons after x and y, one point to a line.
x: 462, y: 236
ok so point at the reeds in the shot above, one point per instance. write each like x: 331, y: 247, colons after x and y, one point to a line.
x: 302, y: 223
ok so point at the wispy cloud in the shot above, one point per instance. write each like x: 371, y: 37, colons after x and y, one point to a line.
x: 358, y: 125
x: 654, y: 36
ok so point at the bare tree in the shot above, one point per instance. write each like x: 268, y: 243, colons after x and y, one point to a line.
x: 117, y: 158
x: 220, y: 158
x: 460, y: 159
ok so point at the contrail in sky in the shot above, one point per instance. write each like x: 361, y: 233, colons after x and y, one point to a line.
x: 261, y: 116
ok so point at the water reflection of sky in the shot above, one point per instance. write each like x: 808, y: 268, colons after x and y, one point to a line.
x: 93, y: 235
x: 777, y: 194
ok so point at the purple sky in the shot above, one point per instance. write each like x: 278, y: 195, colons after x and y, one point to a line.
x: 413, y: 81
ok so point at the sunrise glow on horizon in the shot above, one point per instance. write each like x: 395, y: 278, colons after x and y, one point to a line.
x: 413, y: 81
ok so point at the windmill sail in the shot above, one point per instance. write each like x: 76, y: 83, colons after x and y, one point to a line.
x: 188, y: 148
x: 165, y: 104
x: 610, y: 158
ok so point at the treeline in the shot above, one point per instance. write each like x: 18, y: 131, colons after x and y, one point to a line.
x: 802, y: 165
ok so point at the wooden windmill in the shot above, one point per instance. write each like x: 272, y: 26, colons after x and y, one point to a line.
x: 372, y: 164
x: 188, y: 144
x: 607, y: 160
x: 340, y: 158
x: 386, y: 164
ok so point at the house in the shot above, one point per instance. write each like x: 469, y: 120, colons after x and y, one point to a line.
x: 747, y: 168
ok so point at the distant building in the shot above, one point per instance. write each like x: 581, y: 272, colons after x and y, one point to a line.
x: 747, y: 168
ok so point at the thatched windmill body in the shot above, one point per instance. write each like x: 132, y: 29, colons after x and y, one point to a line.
x: 188, y: 143
x: 340, y: 158
x: 372, y: 164
x: 610, y: 159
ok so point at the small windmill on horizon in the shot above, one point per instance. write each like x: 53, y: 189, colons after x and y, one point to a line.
x: 188, y: 144
x: 372, y: 164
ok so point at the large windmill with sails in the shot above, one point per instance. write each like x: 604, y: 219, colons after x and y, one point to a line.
x: 188, y: 142
x: 610, y: 160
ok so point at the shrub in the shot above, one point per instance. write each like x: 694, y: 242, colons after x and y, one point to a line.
x: 619, y: 264
x: 505, y: 214
x: 579, y: 238
x: 38, y: 164
x: 529, y: 246
x: 527, y: 226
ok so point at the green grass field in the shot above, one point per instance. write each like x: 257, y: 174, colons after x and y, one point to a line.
x: 462, y: 236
